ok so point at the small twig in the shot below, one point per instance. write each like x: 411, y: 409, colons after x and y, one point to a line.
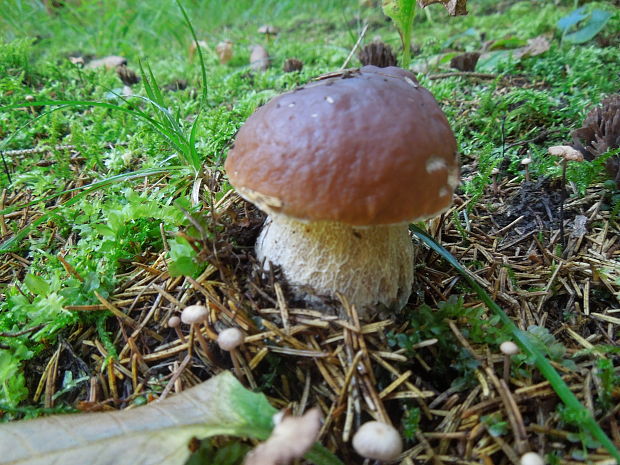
x: 22, y: 332
x: 174, y: 377
x: 471, y: 74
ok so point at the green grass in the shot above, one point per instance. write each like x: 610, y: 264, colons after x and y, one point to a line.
x: 174, y: 137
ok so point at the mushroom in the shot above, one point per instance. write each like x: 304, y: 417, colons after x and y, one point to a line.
x: 341, y: 166
x: 224, y: 51
x: 378, y: 441
x: 174, y: 322
x: 269, y: 31
x: 290, y: 439
x: 526, y: 164
x: 566, y: 153
x: 194, y: 315
x: 532, y: 458
x: 228, y: 340
x: 508, y: 348
x: 259, y: 58
x: 494, y: 173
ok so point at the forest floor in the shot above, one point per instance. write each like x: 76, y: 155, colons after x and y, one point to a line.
x: 114, y: 216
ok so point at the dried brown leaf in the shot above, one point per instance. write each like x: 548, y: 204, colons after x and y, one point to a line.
x: 454, y: 7
x: 536, y: 46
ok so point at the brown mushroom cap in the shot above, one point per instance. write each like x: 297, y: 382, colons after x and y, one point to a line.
x: 367, y: 147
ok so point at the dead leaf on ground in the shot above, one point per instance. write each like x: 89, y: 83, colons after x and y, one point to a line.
x: 157, y: 434
x: 454, y: 7
x: 536, y: 46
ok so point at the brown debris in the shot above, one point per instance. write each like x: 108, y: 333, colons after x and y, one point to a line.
x: 378, y: 54
x: 454, y: 7
x: 292, y: 64
x: 600, y: 133
x: 128, y: 76
x: 465, y: 62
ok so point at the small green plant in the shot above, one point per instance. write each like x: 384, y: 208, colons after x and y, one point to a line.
x: 496, y: 424
x: 427, y: 323
x: 411, y: 422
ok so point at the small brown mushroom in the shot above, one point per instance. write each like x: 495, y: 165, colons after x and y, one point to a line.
x: 495, y: 186
x: 566, y: 153
x: 109, y: 62
x: 224, y: 51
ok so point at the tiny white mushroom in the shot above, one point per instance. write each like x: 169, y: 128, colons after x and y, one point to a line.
x: 526, y: 163
x: 290, y: 439
x: 532, y: 458
x: 494, y: 173
x: 228, y: 340
x: 379, y: 441
x: 194, y: 315
x: 508, y: 348
x: 174, y: 322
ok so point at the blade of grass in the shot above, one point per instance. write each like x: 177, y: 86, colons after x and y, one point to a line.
x: 203, y: 69
x: 76, y: 103
x: 557, y: 383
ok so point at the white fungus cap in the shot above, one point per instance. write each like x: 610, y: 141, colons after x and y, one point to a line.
x: 526, y: 161
x: 379, y: 441
x: 174, y: 322
x: 509, y: 348
x: 230, y: 339
x: 290, y: 439
x: 194, y: 314
x: 532, y: 458
x: 566, y: 152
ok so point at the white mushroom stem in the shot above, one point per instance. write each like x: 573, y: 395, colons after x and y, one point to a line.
x: 370, y: 265
x: 202, y: 341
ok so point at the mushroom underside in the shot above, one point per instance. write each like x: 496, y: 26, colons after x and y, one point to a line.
x: 371, y: 266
